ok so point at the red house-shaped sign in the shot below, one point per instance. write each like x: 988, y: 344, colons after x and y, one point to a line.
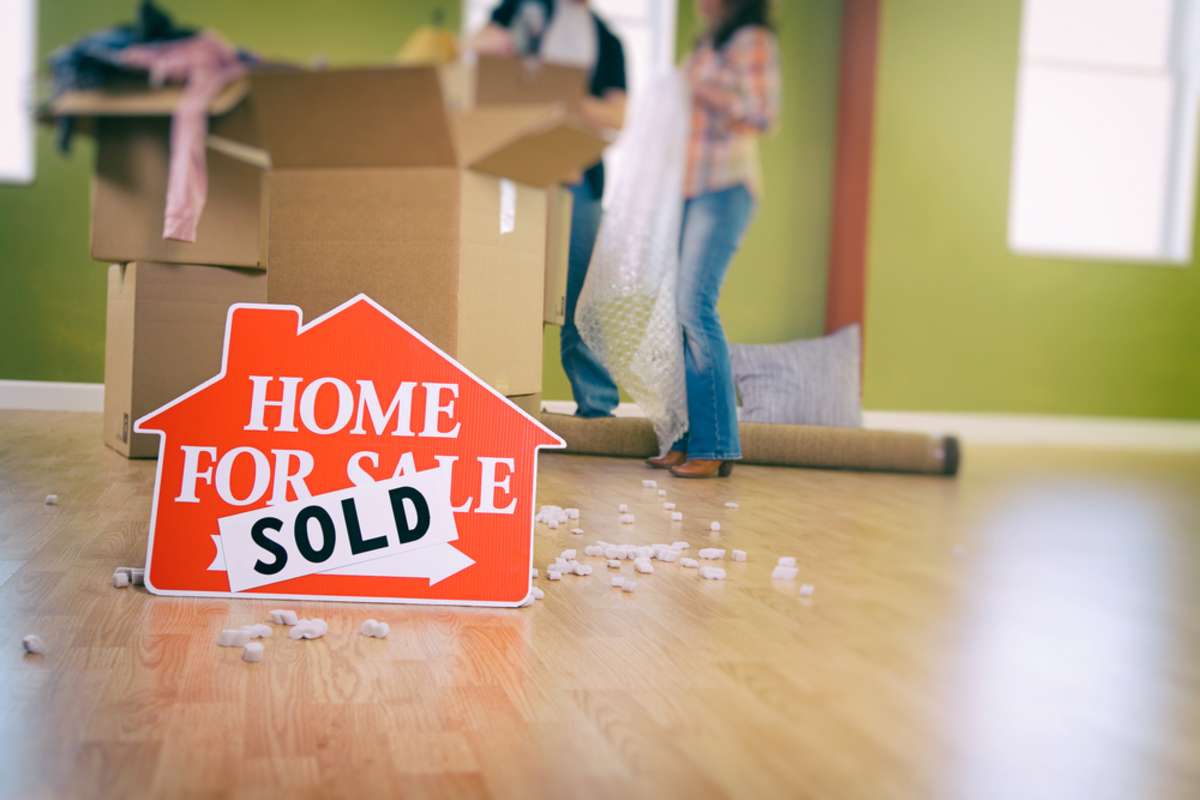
x: 343, y: 459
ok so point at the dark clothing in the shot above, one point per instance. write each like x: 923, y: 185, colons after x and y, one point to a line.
x: 94, y: 61
x: 608, y: 73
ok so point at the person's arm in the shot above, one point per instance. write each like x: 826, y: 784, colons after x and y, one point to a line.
x: 495, y: 39
x: 606, y: 112
x: 747, y: 91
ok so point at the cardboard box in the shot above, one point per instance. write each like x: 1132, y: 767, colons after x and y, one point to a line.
x: 376, y: 185
x: 559, y: 203
x: 164, y: 333
x: 129, y: 184
x: 505, y: 80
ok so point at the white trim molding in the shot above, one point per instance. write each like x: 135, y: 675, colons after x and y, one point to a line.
x: 51, y: 396
x: 1011, y: 429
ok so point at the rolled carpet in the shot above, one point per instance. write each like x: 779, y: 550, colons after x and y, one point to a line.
x: 775, y: 445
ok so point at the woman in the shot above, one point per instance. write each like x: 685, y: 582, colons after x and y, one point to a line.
x: 568, y: 32
x: 734, y: 77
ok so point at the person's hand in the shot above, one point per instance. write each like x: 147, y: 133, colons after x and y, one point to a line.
x: 494, y: 40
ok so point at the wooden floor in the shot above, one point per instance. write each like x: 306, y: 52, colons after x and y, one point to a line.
x: 1029, y: 630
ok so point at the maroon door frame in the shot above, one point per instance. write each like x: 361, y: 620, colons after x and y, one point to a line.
x: 846, y: 293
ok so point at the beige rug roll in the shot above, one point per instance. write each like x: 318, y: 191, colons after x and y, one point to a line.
x: 775, y: 445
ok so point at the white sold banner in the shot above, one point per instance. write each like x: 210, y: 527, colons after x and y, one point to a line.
x: 399, y: 527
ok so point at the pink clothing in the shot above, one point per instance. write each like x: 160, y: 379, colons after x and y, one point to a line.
x: 205, y: 64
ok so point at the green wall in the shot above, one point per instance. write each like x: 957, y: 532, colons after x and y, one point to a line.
x: 775, y: 289
x: 51, y: 292
x: 957, y: 322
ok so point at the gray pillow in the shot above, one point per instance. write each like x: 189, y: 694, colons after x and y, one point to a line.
x: 805, y: 382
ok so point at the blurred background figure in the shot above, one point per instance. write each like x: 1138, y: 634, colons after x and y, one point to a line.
x: 569, y: 32
x: 734, y: 76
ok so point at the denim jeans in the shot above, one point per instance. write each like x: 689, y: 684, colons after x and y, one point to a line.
x: 713, y: 224
x: 595, y: 392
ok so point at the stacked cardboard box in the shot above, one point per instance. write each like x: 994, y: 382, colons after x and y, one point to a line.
x: 397, y: 182
x: 167, y: 300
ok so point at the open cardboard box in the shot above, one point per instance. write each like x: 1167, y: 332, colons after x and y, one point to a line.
x: 131, y: 125
x: 376, y: 184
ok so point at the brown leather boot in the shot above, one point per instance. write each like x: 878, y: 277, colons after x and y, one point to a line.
x: 703, y: 468
x: 673, y: 458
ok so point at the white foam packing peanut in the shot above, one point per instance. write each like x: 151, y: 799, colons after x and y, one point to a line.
x: 662, y: 492
x: 137, y: 576
x: 783, y: 572
x: 51, y: 499
x: 648, y: 484
x: 626, y: 519
x: 623, y: 508
x: 614, y: 563
x: 669, y: 556
x: 668, y: 506
x: 676, y: 516
x: 806, y: 590
x: 681, y: 545
x: 120, y: 579
x: 612, y: 552
x: 233, y: 637
x: 568, y: 555
x: 252, y: 652
x: 572, y: 513
x: 537, y: 593
x: 313, y: 628
x: 617, y: 581
x: 593, y: 550
x: 731, y: 504
x: 739, y: 555
x: 553, y: 574
x: 689, y: 563
x: 712, y: 553
x: 643, y: 566
x: 258, y: 630
x: 786, y: 561
x: 629, y: 585
x: 712, y: 573
x: 552, y: 524
x: 283, y: 616
x: 577, y: 531
x: 714, y: 526
x: 33, y: 644
x: 375, y: 629
x: 583, y: 570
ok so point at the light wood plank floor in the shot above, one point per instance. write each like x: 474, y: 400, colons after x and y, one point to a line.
x: 1029, y: 630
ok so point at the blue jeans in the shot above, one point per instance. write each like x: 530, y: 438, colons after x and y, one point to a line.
x: 595, y: 392
x: 713, y: 224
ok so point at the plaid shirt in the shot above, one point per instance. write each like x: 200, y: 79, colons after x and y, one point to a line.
x: 735, y: 98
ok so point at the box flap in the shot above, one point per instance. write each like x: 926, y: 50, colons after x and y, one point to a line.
x: 505, y: 80
x: 369, y: 117
x: 534, y: 145
x: 139, y: 100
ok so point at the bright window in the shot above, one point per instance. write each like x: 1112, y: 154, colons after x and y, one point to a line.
x: 18, y: 34
x: 1105, y: 132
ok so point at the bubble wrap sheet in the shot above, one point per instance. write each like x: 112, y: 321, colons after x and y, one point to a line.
x: 626, y: 311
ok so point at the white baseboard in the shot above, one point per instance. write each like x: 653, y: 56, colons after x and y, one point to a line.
x: 1011, y: 429
x: 51, y: 396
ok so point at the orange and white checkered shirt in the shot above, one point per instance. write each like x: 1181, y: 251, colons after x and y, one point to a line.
x: 735, y: 99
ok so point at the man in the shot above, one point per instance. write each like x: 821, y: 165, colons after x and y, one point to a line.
x: 568, y: 32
